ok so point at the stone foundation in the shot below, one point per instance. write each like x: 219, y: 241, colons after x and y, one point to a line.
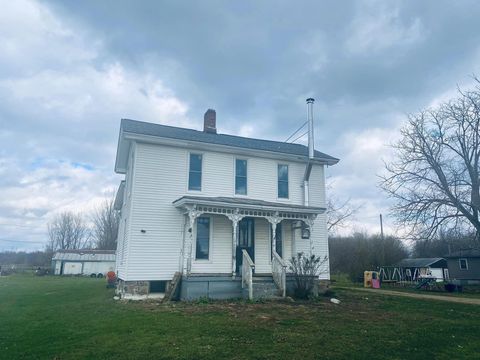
x: 137, y: 290
x: 127, y: 289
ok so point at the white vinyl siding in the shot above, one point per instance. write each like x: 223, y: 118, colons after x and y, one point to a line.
x: 160, y: 176
x: 263, y: 261
x: 220, y: 260
x: 123, y: 232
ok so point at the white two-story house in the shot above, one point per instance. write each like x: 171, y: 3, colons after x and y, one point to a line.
x: 221, y: 214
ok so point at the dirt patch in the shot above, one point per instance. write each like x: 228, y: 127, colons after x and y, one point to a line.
x: 353, y: 306
x: 452, y: 299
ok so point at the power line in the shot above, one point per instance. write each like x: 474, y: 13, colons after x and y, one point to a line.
x: 19, y: 225
x: 22, y: 241
x: 305, y: 133
x: 296, y: 131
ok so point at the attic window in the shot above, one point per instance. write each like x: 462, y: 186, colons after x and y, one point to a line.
x: 463, y: 264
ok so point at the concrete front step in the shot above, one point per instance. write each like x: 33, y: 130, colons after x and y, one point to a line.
x: 263, y: 288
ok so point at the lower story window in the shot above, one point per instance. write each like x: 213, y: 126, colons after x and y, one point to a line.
x: 203, y: 238
x: 463, y: 264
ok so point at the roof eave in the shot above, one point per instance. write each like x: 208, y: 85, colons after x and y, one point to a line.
x: 185, y: 201
x: 155, y: 139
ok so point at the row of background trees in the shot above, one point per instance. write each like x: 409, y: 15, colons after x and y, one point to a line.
x: 71, y: 231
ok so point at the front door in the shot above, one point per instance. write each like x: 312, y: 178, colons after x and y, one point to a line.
x: 246, y: 240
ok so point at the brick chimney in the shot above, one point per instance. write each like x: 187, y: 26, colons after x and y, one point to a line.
x: 210, y: 121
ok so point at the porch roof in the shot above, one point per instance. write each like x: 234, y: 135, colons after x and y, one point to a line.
x: 244, y: 203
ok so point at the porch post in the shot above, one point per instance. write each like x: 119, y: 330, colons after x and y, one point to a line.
x: 193, y: 213
x: 310, y: 221
x: 274, y: 221
x: 235, y: 218
x: 234, y: 247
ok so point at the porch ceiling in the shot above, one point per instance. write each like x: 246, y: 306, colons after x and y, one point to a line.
x: 247, y: 204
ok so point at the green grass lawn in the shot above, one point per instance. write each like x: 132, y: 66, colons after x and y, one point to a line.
x: 472, y: 291
x: 72, y: 318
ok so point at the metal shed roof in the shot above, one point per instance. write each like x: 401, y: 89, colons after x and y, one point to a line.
x: 85, y: 255
x: 422, y: 262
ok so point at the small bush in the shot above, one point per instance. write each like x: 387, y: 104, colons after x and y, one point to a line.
x: 306, y: 270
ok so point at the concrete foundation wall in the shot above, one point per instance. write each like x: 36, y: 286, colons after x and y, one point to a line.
x: 212, y: 287
x: 219, y: 287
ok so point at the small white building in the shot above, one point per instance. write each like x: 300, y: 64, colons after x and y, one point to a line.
x: 83, y: 262
x: 222, y: 214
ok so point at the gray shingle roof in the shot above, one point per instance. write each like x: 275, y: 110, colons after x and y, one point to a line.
x: 172, y: 132
x: 464, y: 253
x: 422, y: 262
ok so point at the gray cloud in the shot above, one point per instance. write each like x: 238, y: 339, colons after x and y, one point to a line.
x: 70, y: 70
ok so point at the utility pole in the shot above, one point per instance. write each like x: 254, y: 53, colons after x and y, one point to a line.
x: 381, y: 227
x: 383, y: 239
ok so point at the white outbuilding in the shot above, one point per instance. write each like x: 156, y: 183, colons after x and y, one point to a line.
x: 83, y: 262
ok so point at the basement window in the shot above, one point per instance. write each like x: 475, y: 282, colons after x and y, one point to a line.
x: 158, y: 286
x: 463, y: 264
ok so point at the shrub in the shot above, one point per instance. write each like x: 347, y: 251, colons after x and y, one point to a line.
x: 306, y: 270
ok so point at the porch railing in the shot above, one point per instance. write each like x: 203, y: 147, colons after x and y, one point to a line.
x: 247, y: 273
x: 279, y: 273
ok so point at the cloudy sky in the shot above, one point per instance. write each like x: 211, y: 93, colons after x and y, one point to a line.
x: 69, y: 71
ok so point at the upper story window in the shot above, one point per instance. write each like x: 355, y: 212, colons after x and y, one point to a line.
x: 463, y: 264
x: 283, y: 181
x: 240, y: 177
x: 195, y: 172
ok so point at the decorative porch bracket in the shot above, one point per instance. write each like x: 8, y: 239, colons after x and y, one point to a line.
x: 193, y: 214
x: 235, y: 217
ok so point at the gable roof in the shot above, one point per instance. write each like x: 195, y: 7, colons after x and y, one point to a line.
x: 190, y: 135
x: 421, y: 262
x: 464, y: 253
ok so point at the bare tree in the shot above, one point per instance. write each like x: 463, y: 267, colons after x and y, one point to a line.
x: 338, y: 214
x: 105, y: 225
x: 434, y: 179
x: 67, y: 231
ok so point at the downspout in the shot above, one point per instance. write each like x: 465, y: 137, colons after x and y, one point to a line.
x: 311, y: 152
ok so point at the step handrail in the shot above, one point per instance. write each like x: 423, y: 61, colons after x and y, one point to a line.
x: 279, y: 273
x: 247, y: 273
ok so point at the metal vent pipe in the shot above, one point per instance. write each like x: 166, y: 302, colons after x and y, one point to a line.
x: 311, y: 139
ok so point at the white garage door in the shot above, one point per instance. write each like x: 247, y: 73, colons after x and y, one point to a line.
x: 72, y: 268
